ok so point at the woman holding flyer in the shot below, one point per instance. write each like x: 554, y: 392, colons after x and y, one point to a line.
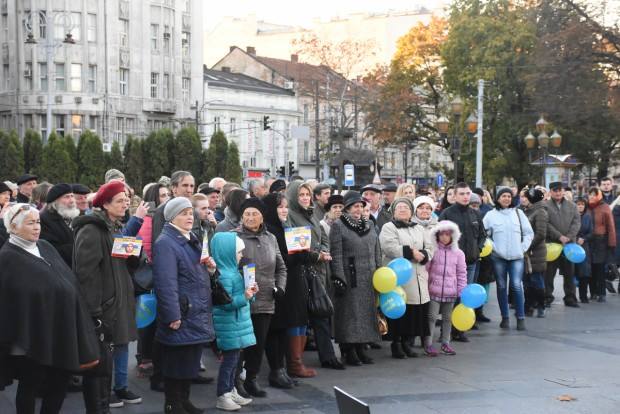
x: 261, y: 252
x: 300, y: 263
x: 355, y: 247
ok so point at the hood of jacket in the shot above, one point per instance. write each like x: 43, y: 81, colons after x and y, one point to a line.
x: 535, y: 207
x: 231, y: 217
x: 224, y: 251
x: 446, y: 225
x: 271, y: 209
x: 292, y: 195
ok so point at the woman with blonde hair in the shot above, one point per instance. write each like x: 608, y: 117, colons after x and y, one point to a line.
x: 406, y: 190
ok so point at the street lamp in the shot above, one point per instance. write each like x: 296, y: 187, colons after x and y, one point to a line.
x: 50, y: 20
x: 543, y: 140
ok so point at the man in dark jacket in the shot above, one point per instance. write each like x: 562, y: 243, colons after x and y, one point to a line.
x: 56, y: 220
x: 373, y: 194
x: 472, y: 238
x: 26, y: 183
x: 564, y: 224
x: 606, y: 186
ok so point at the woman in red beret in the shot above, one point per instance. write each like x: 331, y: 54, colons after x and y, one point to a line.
x: 105, y: 284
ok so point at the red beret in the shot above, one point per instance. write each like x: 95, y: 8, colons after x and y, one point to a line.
x: 107, y: 192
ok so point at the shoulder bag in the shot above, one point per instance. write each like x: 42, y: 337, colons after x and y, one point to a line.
x: 319, y: 303
x: 219, y: 295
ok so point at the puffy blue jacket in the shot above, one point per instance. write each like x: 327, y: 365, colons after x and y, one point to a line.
x: 183, y: 289
x: 233, y: 324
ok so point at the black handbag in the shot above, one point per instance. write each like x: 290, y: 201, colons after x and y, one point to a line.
x: 218, y: 293
x: 319, y: 303
x: 104, y: 367
x: 143, y: 278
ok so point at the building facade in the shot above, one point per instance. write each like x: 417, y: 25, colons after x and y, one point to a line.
x: 133, y: 66
x: 238, y: 105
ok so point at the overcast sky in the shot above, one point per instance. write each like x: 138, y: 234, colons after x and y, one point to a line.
x: 300, y: 13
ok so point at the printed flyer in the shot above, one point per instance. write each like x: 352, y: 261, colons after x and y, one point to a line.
x: 125, y: 247
x: 298, y: 238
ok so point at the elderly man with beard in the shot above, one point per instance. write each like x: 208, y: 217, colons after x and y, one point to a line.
x: 56, y: 220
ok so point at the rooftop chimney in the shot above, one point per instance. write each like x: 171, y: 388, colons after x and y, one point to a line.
x: 251, y: 50
x: 294, y: 58
x: 231, y: 48
x: 226, y: 69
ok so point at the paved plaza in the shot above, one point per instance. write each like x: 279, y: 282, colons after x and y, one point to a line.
x: 573, y: 352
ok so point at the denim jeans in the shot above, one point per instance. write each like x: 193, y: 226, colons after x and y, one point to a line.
x: 120, y: 354
x: 228, y: 368
x: 472, y: 272
x: 514, y: 270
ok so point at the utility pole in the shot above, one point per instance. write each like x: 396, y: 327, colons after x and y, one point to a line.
x: 317, y: 129
x: 197, y: 116
x: 479, y: 137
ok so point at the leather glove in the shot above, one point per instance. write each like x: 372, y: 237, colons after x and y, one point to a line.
x: 278, y: 293
x: 340, y: 286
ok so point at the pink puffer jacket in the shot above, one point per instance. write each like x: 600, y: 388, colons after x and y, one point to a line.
x: 447, y: 272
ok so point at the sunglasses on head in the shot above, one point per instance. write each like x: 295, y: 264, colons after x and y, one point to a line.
x: 25, y: 207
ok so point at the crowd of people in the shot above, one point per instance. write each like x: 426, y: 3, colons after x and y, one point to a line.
x: 229, y: 285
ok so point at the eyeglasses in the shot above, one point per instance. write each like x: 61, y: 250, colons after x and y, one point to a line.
x: 25, y: 207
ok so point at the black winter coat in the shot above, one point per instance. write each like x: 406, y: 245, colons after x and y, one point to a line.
x: 55, y: 230
x: 473, y: 235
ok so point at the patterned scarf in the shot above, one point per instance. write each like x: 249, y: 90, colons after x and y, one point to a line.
x: 360, y: 226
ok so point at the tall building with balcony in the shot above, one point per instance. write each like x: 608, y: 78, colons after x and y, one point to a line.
x: 134, y: 66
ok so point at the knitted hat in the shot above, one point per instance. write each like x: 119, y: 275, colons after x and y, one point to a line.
x: 4, y: 188
x: 352, y: 197
x: 107, y: 192
x: 58, y: 191
x: 253, y: 202
x: 400, y: 200
x: 423, y: 200
x: 534, y: 195
x: 501, y: 191
x: 474, y: 199
x: 277, y: 186
x: 114, y: 174
x: 175, y: 206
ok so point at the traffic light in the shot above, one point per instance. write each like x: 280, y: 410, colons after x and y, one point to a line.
x: 291, y: 168
x: 266, y: 123
x: 282, y: 171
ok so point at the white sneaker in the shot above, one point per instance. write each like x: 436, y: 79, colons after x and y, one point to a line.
x: 225, y: 402
x: 239, y: 399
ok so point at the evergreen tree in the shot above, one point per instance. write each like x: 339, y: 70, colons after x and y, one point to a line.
x: 33, y: 151
x: 217, y: 155
x: 132, y: 162
x: 11, y: 156
x: 71, y: 149
x: 115, y: 157
x: 91, y: 166
x: 155, y: 158
x: 168, y: 142
x: 188, y: 152
x: 55, y: 160
x: 234, y: 172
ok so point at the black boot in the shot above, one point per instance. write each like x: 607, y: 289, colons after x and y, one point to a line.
x: 361, y: 353
x: 397, y: 350
x: 583, y: 290
x: 351, y: 358
x: 540, y: 303
x: 96, y: 393
x: 240, y: 388
x: 292, y: 381
x: 278, y: 380
x: 408, y: 349
x: 528, y: 304
x: 173, y: 390
x: 184, y: 391
x: 480, y: 316
x: 252, y: 387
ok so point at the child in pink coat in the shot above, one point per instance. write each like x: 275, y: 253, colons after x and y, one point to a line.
x: 447, y: 277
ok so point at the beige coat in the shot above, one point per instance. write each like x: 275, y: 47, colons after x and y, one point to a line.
x: 399, y: 242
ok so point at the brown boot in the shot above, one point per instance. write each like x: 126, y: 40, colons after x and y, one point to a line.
x: 296, y: 366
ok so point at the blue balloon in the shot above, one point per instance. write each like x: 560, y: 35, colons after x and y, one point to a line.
x: 403, y: 269
x: 392, y: 305
x: 473, y: 296
x: 574, y: 253
x: 146, y: 310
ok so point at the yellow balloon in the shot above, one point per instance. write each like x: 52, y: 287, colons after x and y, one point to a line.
x: 401, y: 292
x: 384, y: 279
x: 463, y: 318
x: 487, y: 249
x: 554, y: 250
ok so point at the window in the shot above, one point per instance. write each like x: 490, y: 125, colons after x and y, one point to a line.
x: 59, y: 29
x: 28, y: 121
x: 233, y: 125
x: 28, y: 76
x: 60, y: 125
x: 60, y: 77
x: 166, y: 86
x: 129, y: 126
x: 76, y: 77
x: 76, y: 126
x: 185, y: 87
x: 216, y: 124
x: 123, y: 85
x: 92, y: 27
x: 186, y: 6
x: 167, y: 36
x: 154, y: 83
x: 306, y: 111
x: 43, y: 76
x: 124, y: 33
x: 43, y: 123
x: 92, y: 78
x: 119, y: 128
x: 154, y: 36
x: 5, y: 26
x: 42, y: 25
x: 76, y: 22
x: 92, y: 123
x: 306, y: 150
x: 5, y: 77
x: 185, y: 40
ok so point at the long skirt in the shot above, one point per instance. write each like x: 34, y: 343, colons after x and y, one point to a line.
x: 413, y: 323
x: 181, y: 362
